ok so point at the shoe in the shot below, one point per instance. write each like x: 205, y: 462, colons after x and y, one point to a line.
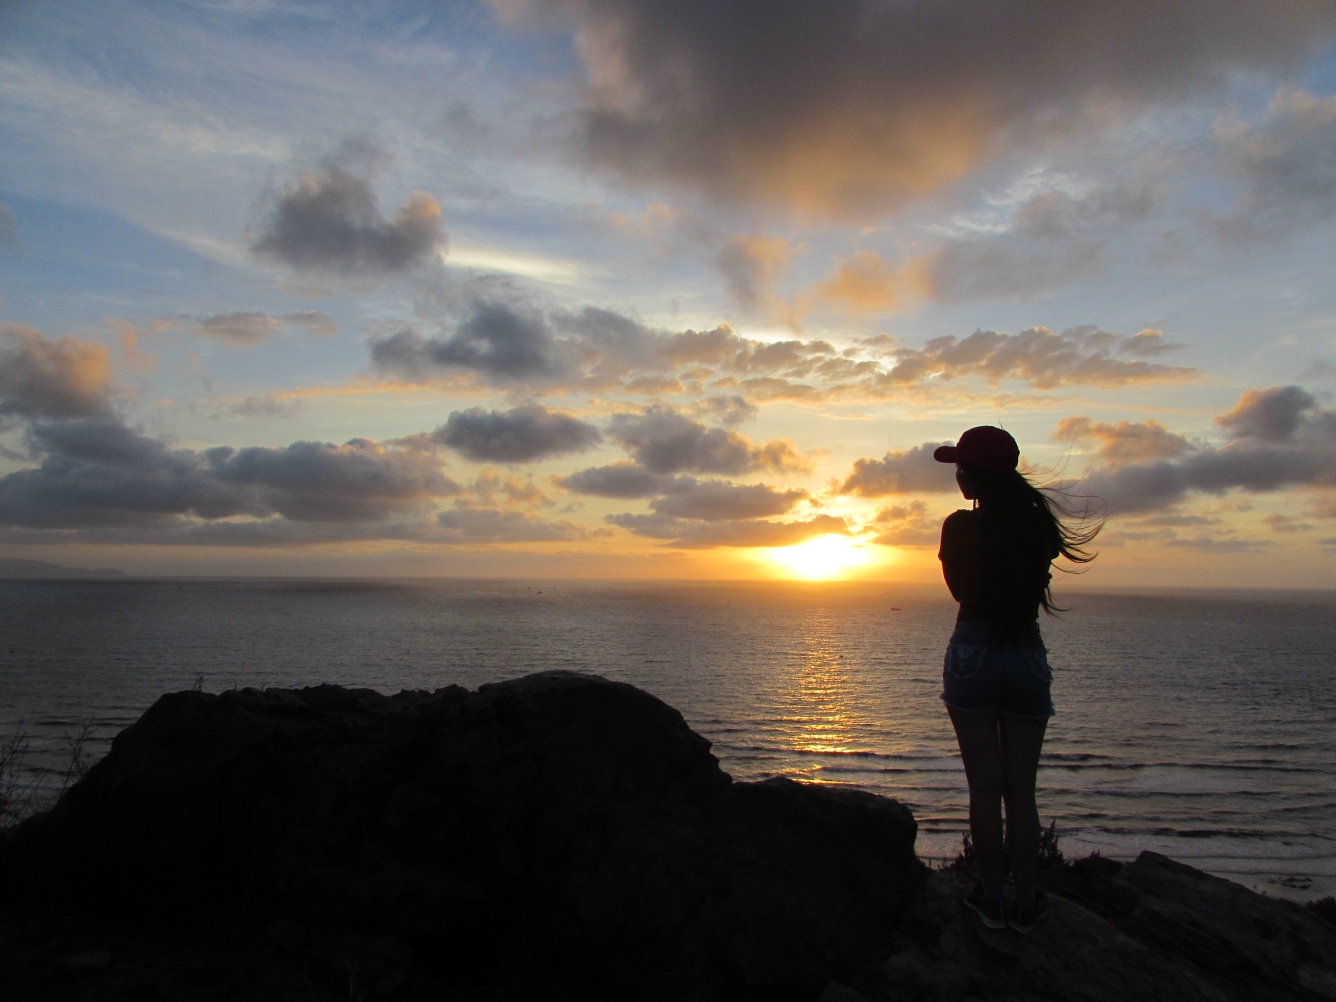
x: 993, y: 911
x: 1024, y: 919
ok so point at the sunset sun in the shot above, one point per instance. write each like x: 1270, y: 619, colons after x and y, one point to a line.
x: 823, y: 558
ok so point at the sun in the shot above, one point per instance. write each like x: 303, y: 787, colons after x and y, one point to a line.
x: 822, y: 558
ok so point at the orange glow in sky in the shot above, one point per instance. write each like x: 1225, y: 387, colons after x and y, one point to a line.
x: 825, y: 558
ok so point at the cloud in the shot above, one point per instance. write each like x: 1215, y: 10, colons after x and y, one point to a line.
x: 1272, y: 415
x: 714, y: 500
x: 501, y: 338
x: 1124, y: 442
x: 501, y: 341
x: 262, y: 405
x: 620, y: 480
x: 98, y: 472
x: 238, y: 328
x: 1079, y: 355
x: 750, y: 265
x: 682, y: 496
x: 469, y: 525
x: 1147, y: 343
x: 245, y: 328
x: 1283, y: 168
x: 688, y: 534
x: 1279, y: 438
x: 856, y: 107
x: 905, y: 525
x: 42, y: 378
x: 330, y: 220
x: 865, y: 284
x: 911, y: 472
x: 665, y: 441
x: 727, y: 411
x: 8, y: 237
x: 519, y: 435
x: 311, y: 321
x: 1058, y: 235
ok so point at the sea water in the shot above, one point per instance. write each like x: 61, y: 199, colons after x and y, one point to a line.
x: 1199, y: 725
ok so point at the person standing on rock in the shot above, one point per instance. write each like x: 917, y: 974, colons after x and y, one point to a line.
x: 996, y: 559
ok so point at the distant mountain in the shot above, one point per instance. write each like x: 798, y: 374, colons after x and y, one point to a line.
x: 14, y: 567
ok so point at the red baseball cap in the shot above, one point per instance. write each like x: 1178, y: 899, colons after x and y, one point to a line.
x: 985, y: 446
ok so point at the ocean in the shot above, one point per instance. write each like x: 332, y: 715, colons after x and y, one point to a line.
x: 1197, y: 724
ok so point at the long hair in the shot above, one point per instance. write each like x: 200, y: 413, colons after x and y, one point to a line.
x: 1026, y: 527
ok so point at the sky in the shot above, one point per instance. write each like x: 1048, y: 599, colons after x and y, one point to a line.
x: 616, y: 288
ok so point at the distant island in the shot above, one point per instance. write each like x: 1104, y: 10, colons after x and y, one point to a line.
x: 15, y: 567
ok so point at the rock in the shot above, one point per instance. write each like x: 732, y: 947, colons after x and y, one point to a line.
x: 82, y: 965
x: 557, y: 832
x: 1149, y: 930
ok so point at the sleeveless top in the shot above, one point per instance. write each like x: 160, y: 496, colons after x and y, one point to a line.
x: 997, y: 579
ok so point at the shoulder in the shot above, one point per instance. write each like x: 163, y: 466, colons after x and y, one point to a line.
x: 959, y: 528
x: 963, y: 520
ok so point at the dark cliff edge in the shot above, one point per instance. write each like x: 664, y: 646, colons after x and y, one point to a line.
x: 556, y: 837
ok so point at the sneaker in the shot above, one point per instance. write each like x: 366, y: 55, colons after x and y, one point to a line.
x: 1024, y: 919
x: 993, y: 911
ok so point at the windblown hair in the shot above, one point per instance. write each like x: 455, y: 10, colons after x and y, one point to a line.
x: 1026, y: 527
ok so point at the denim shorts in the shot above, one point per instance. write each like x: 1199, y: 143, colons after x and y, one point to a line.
x: 1011, y: 678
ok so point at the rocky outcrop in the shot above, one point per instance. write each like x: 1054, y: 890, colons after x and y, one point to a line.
x: 1152, y: 930
x: 558, y: 836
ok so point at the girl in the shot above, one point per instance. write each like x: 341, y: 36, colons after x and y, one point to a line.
x: 996, y: 560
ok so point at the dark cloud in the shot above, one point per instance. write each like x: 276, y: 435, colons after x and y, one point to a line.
x: 1272, y: 415
x: 501, y: 341
x: 854, y: 106
x: 519, y: 435
x: 465, y: 524
x: 1053, y: 239
x: 98, y: 472
x: 330, y: 220
x: 689, y: 534
x: 727, y: 411
x: 1125, y: 441
x: 750, y: 265
x: 911, y: 472
x: 42, y: 378
x: 505, y: 340
x: 684, y: 497
x: 714, y: 500
x: 1283, y: 169
x: 665, y: 441
x: 1079, y: 355
x: 1280, y: 439
x: 620, y: 480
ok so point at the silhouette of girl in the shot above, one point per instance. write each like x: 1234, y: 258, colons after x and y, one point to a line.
x: 996, y: 676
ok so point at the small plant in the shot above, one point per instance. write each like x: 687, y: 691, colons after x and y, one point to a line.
x: 965, y: 861
x: 1324, y: 908
x: 199, y: 683
x: 1049, y: 852
x: 79, y: 761
x: 16, y: 793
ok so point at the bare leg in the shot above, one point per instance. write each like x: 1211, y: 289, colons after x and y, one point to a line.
x: 1022, y: 740
x: 981, y: 751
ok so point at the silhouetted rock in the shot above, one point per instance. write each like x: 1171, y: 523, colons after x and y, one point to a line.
x: 558, y: 837
x: 1149, y: 930
x: 558, y: 834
